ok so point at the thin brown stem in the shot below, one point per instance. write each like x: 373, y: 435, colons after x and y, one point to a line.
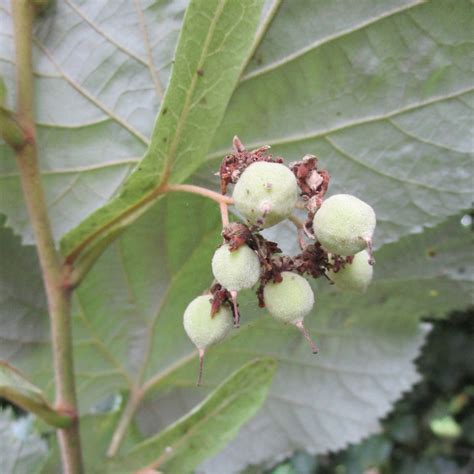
x: 224, y: 214
x: 301, y: 231
x: 191, y: 188
x: 201, y: 366
x: 57, y: 296
x: 300, y: 326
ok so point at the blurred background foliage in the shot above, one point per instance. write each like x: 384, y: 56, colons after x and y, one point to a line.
x: 430, y: 430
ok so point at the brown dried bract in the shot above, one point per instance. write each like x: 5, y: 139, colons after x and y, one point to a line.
x: 236, y: 234
x: 338, y: 262
x: 219, y: 296
x: 313, y: 260
x: 233, y: 165
x: 312, y: 182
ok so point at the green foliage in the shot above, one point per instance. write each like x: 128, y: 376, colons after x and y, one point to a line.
x: 382, y: 92
x: 209, y: 426
x: 214, y: 45
x: 408, y: 444
x: 22, y: 451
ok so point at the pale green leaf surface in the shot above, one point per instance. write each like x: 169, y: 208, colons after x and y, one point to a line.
x: 209, y: 426
x: 24, y: 326
x: 214, y: 46
x: 101, y: 69
x: 128, y: 329
x: 99, y: 87
x: 22, y: 451
x: 381, y: 92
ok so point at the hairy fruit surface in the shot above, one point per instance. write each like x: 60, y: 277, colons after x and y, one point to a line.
x: 344, y: 224
x: 203, y: 329
x: 291, y: 299
x: 236, y: 270
x: 266, y: 193
x: 355, y: 276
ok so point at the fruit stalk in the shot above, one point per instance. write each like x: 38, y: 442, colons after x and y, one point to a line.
x: 58, y: 297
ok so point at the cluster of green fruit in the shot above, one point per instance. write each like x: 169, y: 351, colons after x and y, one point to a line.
x: 266, y: 193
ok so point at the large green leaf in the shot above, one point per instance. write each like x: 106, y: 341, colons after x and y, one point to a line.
x: 100, y: 69
x: 209, y: 426
x: 381, y: 92
x: 128, y: 331
x: 326, y: 76
x: 214, y: 47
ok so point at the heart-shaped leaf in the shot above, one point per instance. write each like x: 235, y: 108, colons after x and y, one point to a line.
x: 128, y: 331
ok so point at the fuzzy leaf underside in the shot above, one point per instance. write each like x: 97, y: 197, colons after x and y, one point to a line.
x: 22, y: 450
x: 210, y: 425
x: 127, y: 327
x: 214, y: 45
x: 382, y: 92
x: 398, y: 71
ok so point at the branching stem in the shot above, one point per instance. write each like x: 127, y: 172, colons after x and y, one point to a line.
x: 57, y: 296
x: 190, y: 188
x: 301, y: 231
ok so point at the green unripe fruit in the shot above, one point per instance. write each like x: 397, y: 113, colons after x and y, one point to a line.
x: 344, y: 224
x: 291, y: 299
x: 203, y: 329
x: 266, y: 193
x: 355, y: 276
x: 236, y: 270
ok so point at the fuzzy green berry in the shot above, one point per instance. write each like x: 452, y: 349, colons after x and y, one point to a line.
x: 355, y: 276
x: 203, y: 329
x: 290, y: 301
x: 266, y: 193
x: 236, y: 270
x: 344, y: 225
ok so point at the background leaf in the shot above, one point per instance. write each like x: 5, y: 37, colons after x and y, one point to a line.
x: 214, y: 47
x: 22, y: 451
x: 210, y: 425
x: 380, y: 91
x: 101, y: 69
x: 128, y: 331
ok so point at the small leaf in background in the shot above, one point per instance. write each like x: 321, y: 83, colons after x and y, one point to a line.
x: 18, y: 390
x: 210, y: 425
x: 22, y: 451
x: 445, y: 427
